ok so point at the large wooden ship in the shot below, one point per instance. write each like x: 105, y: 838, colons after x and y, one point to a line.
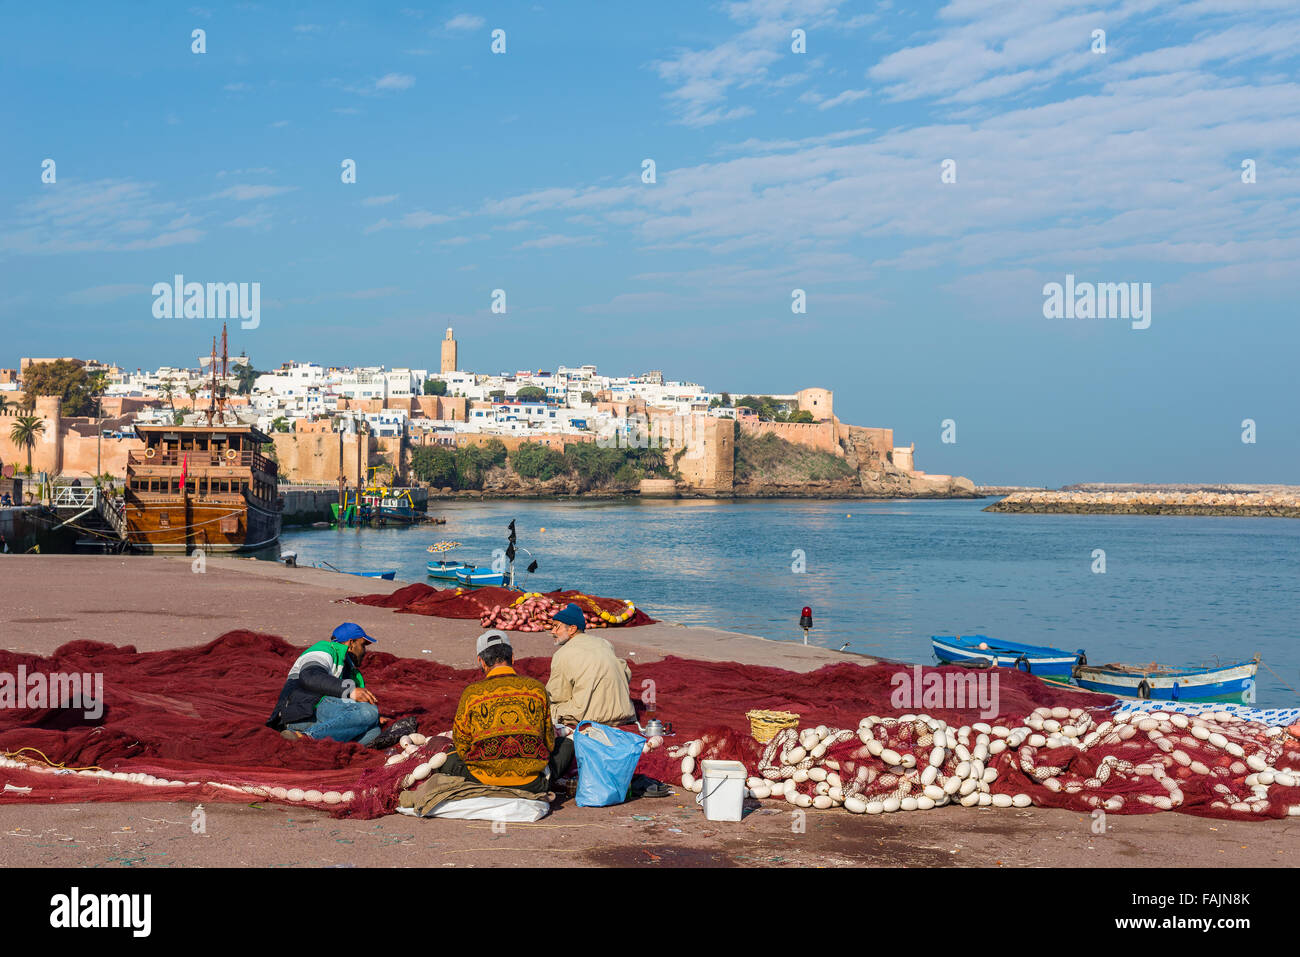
x: 205, y: 485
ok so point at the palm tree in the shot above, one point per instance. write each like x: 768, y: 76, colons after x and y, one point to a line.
x: 24, y: 432
x: 193, y: 393
x: 168, y: 391
x: 4, y: 403
x: 98, y: 385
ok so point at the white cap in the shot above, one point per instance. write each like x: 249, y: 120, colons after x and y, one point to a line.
x: 490, y: 638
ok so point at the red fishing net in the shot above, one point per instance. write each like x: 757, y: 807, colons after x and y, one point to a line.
x: 504, y: 608
x: 194, y: 718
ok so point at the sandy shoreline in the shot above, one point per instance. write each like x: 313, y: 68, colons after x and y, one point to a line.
x: 156, y: 603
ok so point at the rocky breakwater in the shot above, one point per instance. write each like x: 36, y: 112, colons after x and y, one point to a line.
x: 1262, y: 505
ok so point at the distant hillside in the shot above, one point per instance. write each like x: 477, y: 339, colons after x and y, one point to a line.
x: 771, y: 460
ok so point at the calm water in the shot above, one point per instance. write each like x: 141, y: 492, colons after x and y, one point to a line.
x: 886, y: 576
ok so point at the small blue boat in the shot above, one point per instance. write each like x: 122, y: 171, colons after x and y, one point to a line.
x: 387, y: 575
x: 1235, y: 682
x: 981, y: 651
x: 447, y: 570
x: 477, y: 577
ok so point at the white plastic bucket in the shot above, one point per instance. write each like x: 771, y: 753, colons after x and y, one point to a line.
x: 723, y: 790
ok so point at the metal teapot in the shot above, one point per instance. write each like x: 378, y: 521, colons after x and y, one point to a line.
x: 656, y: 728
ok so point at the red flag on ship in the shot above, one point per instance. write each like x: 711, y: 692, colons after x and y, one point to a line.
x: 185, y: 464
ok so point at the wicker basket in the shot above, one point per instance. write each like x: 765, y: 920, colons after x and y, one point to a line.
x: 764, y: 725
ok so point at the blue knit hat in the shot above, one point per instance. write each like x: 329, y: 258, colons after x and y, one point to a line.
x: 571, y: 614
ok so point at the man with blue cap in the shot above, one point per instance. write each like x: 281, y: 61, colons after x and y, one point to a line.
x: 588, y: 681
x: 326, y: 697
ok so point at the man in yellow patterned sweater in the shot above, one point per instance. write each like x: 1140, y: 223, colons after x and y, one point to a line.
x: 503, y: 732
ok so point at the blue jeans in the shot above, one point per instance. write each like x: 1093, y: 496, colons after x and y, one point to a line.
x: 342, y: 719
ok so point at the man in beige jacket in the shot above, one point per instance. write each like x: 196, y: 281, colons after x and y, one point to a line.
x: 588, y: 681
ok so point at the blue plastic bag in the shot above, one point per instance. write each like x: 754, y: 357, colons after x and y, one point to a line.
x: 607, y: 759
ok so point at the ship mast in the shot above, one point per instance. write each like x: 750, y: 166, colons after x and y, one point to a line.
x: 217, y: 405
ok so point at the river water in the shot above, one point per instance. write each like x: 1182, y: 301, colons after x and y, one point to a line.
x: 885, y: 576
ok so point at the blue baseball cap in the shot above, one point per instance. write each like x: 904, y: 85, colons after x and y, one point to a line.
x: 348, y: 631
x: 571, y: 614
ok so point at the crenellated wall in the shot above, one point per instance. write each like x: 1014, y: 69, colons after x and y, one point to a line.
x: 816, y: 435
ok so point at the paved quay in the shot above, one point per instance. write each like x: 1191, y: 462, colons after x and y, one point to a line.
x: 161, y: 603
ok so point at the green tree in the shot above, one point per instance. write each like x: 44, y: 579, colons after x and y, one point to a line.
x: 803, y: 415
x: 592, y: 464
x: 469, y: 467
x: 245, y: 376
x: 497, y: 395
x: 24, y: 432
x: 435, y: 464
x: 493, y: 454
x: 64, y: 378
x: 435, y: 387
x: 531, y: 393
x: 280, y: 424
x: 628, y: 476
x: 168, y: 391
x: 726, y: 398
x: 589, y: 397
x: 533, y: 460
x: 648, y: 459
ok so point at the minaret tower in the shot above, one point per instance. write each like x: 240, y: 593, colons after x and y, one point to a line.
x: 449, y: 353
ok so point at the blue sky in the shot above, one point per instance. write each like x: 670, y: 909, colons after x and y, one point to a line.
x: 775, y: 170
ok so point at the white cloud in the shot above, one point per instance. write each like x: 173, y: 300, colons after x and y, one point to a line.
x: 703, y: 79
x: 553, y: 240
x: 388, y: 83
x: 395, y: 81
x: 465, y: 21
x: 848, y: 96
x: 379, y: 200
x: 98, y: 295
x: 103, y: 215
x: 417, y: 219
x: 248, y: 191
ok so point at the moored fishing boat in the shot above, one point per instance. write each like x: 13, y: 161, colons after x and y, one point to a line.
x: 387, y: 574
x: 1235, y: 682
x: 980, y: 651
x: 477, y: 577
x: 446, y: 570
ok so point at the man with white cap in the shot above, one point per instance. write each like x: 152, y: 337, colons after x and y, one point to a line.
x: 503, y: 732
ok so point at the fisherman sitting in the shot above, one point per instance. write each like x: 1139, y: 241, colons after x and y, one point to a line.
x: 588, y: 682
x: 503, y: 732
x: 325, y: 695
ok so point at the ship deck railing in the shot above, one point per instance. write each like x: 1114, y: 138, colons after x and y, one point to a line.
x: 204, y: 459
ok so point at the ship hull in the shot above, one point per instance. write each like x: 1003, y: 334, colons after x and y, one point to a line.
x: 213, y: 527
